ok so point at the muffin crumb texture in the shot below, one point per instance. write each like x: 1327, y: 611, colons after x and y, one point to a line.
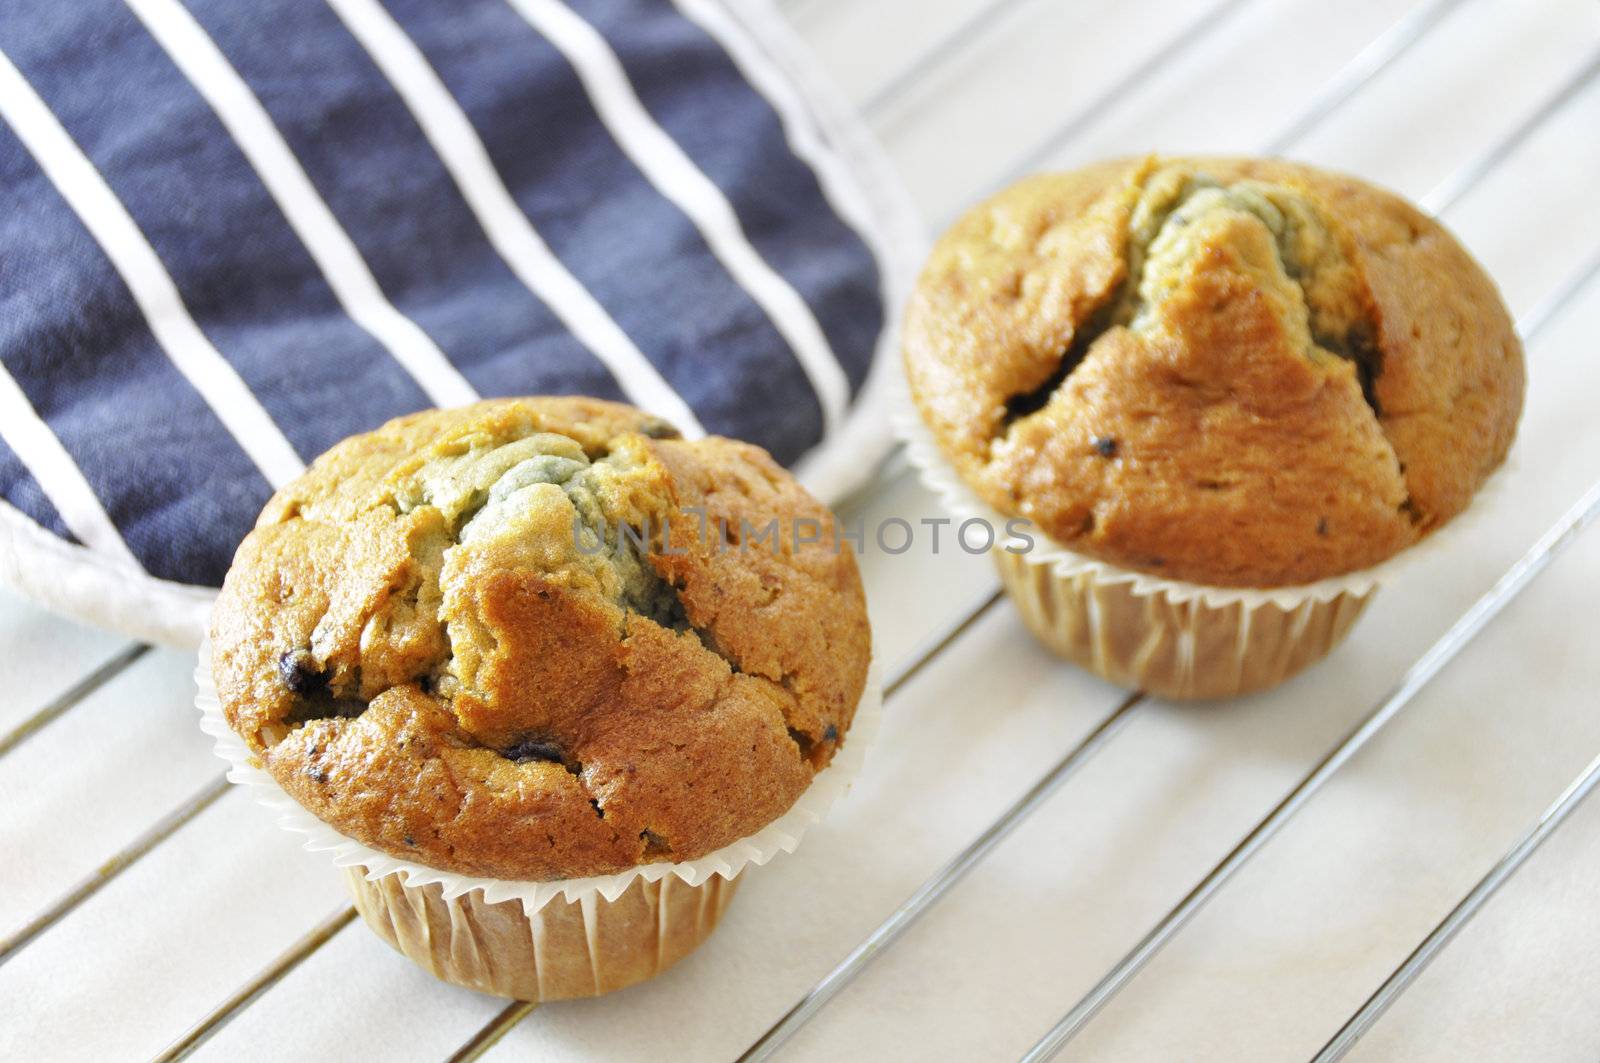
x: 508, y: 641
x: 1230, y: 371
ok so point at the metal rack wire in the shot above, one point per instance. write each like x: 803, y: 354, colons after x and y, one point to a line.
x: 1346, y: 84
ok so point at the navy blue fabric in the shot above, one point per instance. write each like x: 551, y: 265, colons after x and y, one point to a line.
x: 177, y: 486
x: 75, y: 342
x: 777, y: 197
x: 632, y: 248
x: 248, y: 282
x: 415, y: 230
x: 16, y: 482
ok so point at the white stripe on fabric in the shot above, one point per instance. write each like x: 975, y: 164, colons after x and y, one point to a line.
x: 805, y: 140
x: 58, y: 475
x: 510, y: 232
x: 675, y: 175
x: 108, y: 221
x: 208, y: 70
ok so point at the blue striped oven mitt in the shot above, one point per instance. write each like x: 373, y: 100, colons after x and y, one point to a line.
x: 235, y: 233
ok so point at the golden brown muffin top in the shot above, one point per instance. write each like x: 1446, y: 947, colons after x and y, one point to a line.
x: 1236, y: 372
x: 464, y: 639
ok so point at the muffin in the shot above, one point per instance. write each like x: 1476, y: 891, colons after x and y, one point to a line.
x: 1221, y: 389
x: 526, y: 641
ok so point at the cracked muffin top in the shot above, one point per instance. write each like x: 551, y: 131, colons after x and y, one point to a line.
x: 542, y: 639
x: 1235, y: 372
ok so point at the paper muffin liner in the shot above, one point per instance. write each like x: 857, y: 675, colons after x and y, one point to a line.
x: 1170, y: 637
x: 534, y: 940
x: 1183, y: 650
x: 561, y: 951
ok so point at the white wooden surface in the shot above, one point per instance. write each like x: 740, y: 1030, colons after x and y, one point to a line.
x: 1286, y: 951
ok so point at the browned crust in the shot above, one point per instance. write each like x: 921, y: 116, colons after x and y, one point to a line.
x: 1236, y: 459
x: 685, y: 739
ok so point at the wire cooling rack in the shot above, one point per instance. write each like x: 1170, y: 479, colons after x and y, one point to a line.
x: 1017, y: 942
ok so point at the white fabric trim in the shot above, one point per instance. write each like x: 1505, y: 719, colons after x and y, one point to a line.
x: 677, y: 178
x: 94, y: 589
x: 510, y: 232
x: 58, y: 475
x: 336, y: 255
x: 114, y: 229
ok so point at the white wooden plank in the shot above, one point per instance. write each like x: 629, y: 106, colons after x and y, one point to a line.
x: 159, y: 946
x: 93, y: 780
x: 1458, y: 92
x: 1531, y: 223
x: 913, y: 596
x: 41, y: 655
x: 1519, y: 981
x: 867, y: 45
x: 1230, y: 92
x: 354, y: 977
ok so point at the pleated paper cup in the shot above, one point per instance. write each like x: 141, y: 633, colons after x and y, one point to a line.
x: 1174, y: 639
x: 1183, y: 648
x: 565, y: 949
x: 542, y: 941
